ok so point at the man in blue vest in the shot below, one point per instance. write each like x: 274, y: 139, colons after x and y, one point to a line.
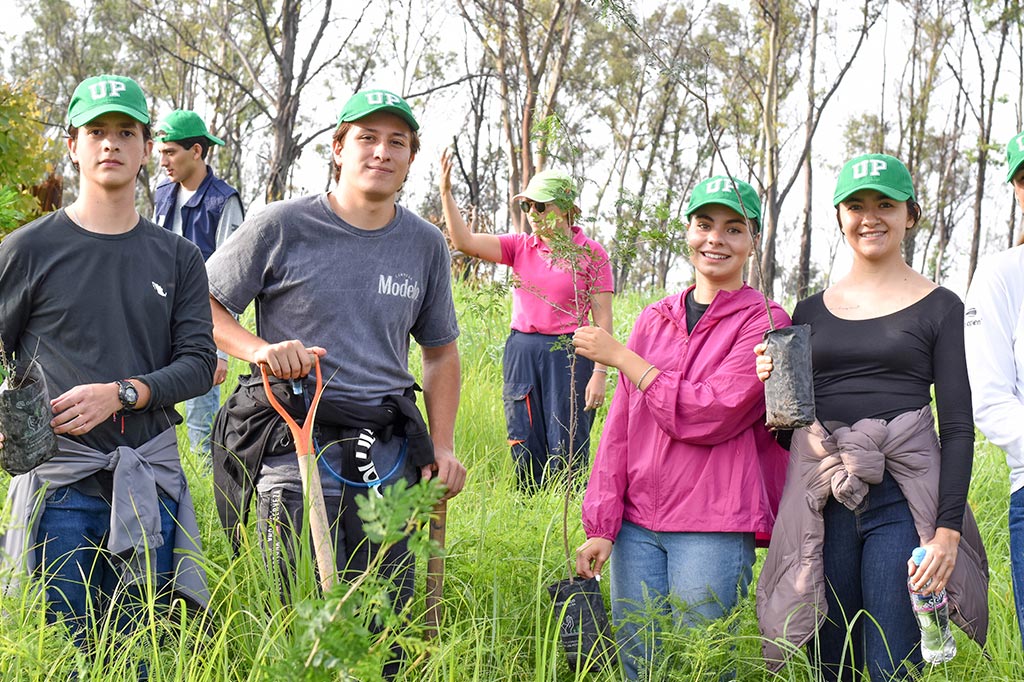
x: 196, y: 204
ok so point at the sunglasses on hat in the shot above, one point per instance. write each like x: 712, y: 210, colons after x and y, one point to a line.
x: 527, y: 206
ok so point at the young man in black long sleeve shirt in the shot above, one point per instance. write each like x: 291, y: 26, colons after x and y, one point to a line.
x: 114, y: 309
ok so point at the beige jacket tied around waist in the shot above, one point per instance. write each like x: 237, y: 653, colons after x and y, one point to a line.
x: 791, y: 589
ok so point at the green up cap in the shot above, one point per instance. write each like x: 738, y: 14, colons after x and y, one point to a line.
x: 1014, y: 156
x: 182, y: 124
x: 719, y: 190
x: 881, y: 172
x: 103, y: 94
x: 366, y: 102
x: 551, y: 185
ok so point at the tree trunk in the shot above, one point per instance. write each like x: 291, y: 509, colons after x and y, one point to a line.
x: 985, y: 120
x: 769, y: 122
x: 803, y: 280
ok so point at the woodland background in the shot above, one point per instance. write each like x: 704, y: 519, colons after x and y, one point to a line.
x: 633, y: 98
x: 613, y: 90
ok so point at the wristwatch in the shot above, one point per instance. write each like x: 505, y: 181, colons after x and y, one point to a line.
x: 127, y: 394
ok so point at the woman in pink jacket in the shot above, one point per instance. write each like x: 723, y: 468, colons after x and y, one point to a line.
x: 687, y: 478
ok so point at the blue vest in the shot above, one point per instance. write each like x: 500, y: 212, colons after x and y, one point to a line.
x: 200, y: 215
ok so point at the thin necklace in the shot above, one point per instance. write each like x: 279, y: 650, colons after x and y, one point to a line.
x: 73, y: 214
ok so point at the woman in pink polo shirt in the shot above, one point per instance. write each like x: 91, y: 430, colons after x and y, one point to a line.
x: 687, y: 479
x: 562, y: 279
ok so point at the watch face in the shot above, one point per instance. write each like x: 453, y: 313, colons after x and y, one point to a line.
x: 127, y: 393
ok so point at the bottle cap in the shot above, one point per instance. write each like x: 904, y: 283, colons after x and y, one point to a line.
x: 917, y: 556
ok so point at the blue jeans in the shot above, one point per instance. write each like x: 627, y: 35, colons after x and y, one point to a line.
x: 865, y: 555
x: 82, y: 579
x: 199, y: 413
x: 1017, y: 554
x: 694, y: 577
x: 537, y: 392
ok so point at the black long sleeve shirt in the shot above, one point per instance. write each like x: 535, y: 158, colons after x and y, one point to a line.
x: 94, y: 308
x: 882, y: 367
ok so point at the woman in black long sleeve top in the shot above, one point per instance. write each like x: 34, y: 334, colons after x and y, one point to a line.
x: 881, y: 337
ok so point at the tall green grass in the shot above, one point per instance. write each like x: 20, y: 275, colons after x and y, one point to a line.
x: 503, y: 550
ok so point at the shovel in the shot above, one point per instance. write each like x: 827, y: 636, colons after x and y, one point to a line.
x: 435, y: 571
x: 319, y: 527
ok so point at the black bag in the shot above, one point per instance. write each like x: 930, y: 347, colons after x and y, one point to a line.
x: 789, y: 391
x: 25, y: 416
x: 245, y: 429
x: 583, y: 624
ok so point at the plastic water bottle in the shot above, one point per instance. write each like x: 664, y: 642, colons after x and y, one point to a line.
x: 932, y: 613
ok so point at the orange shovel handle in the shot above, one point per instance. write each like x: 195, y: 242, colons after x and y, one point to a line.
x: 301, y: 434
x: 313, y: 492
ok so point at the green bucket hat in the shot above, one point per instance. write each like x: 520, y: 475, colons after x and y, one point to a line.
x: 551, y: 186
x: 719, y: 190
x: 182, y: 124
x: 103, y: 94
x: 880, y: 172
x: 366, y: 102
x: 1014, y: 156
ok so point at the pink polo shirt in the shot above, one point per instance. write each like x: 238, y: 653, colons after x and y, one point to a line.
x: 545, y: 299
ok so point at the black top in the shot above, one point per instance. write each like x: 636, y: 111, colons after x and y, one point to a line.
x: 885, y: 366
x: 95, y: 308
x: 694, y: 311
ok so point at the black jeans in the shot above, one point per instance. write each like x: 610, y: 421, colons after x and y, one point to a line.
x: 280, y: 516
x: 280, y: 521
x: 538, y: 393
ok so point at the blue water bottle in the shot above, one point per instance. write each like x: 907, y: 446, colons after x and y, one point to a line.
x: 932, y: 613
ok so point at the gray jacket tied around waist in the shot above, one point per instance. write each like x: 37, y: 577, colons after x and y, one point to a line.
x: 138, y: 473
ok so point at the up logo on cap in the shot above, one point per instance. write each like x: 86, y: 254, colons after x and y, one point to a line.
x: 873, y: 167
x: 377, y: 97
x: 880, y: 172
x: 99, y: 95
x: 103, y: 89
x: 719, y: 184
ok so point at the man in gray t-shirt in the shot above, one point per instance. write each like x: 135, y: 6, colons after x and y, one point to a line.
x: 349, y: 276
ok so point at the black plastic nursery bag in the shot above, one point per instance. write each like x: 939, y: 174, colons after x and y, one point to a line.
x: 584, y: 630
x: 789, y: 391
x: 25, y: 422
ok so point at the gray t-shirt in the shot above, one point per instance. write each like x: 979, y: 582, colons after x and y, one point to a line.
x: 358, y: 293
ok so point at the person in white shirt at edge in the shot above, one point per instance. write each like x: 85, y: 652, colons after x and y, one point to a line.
x: 994, y: 342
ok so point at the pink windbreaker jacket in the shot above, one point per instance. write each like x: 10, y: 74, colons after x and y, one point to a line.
x: 691, y: 454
